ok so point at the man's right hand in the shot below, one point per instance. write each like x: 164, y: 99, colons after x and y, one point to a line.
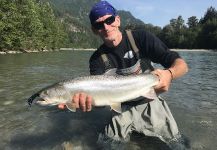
x: 80, y: 100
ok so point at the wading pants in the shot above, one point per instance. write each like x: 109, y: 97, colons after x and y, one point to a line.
x: 149, y: 118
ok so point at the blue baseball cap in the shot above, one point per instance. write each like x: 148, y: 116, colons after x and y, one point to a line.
x: 100, y: 9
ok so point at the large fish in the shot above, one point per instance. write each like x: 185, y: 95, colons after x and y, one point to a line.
x: 104, y: 89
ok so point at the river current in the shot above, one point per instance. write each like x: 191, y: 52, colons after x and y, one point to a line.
x: 192, y: 100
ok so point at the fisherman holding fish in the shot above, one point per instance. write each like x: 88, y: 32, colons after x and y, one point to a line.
x: 131, y: 53
x: 118, y: 55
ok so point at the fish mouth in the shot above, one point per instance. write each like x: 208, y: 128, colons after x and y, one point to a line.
x: 32, y: 98
x: 37, y: 100
x: 45, y: 101
x: 42, y: 101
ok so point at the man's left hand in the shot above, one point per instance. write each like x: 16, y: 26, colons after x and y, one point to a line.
x: 165, y: 79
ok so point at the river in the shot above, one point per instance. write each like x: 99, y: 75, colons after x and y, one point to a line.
x: 192, y: 100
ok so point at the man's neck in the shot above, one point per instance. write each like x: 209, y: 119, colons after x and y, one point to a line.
x: 114, y: 42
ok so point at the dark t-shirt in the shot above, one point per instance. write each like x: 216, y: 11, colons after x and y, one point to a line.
x: 122, y: 56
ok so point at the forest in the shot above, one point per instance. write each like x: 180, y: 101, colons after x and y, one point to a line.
x: 27, y: 25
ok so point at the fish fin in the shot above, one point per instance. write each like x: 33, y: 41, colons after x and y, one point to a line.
x: 111, y: 72
x: 71, y: 106
x: 116, y: 107
x: 151, y: 94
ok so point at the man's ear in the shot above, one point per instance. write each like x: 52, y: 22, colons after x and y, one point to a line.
x: 94, y: 30
x: 118, y: 21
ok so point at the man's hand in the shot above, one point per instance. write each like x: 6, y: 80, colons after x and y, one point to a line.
x: 177, y: 69
x: 165, y: 78
x: 82, y: 101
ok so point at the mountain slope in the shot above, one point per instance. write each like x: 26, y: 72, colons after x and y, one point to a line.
x: 74, y: 15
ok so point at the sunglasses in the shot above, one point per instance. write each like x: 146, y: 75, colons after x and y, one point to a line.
x: 100, y: 25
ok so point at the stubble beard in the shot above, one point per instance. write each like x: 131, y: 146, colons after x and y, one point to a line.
x: 110, y: 40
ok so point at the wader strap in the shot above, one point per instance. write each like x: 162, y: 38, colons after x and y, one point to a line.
x: 106, y: 61
x: 145, y: 63
x: 132, y: 42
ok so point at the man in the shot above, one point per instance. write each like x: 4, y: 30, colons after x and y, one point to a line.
x: 116, y: 55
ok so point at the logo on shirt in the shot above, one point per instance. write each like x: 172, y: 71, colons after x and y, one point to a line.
x: 128, y: 55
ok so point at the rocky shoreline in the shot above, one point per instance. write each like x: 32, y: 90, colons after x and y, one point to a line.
x: 81, y: 49
x: 23, y: 51
x: 37, y: 51
x: 191, y: 50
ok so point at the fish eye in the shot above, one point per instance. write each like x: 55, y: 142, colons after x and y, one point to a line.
x: 46, y: 92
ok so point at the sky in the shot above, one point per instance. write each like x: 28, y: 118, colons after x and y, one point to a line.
x: 160, y: 12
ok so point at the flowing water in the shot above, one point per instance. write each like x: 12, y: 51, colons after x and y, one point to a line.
x: 192, y: 100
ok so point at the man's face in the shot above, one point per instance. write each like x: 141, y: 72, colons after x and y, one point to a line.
x: 107, y: 27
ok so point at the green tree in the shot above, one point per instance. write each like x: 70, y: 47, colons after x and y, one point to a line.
x: 191, y: 33
x: 207, y: 36
x: 29, y: 24
x: 173, y: 34
x: 53, y: 34
x: 192, y: 22
x: 210, y: 14
x: 10, y: 36
x: 167, y: 36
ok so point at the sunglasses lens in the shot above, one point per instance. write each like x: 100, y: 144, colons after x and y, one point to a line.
x: 100, y: 25
x: 110, y: 20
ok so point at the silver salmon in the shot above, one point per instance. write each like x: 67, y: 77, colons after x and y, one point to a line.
x: 104, y: 89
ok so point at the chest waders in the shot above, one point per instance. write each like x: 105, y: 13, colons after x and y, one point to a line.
x: 152, y: 119
x: 145, y: 63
